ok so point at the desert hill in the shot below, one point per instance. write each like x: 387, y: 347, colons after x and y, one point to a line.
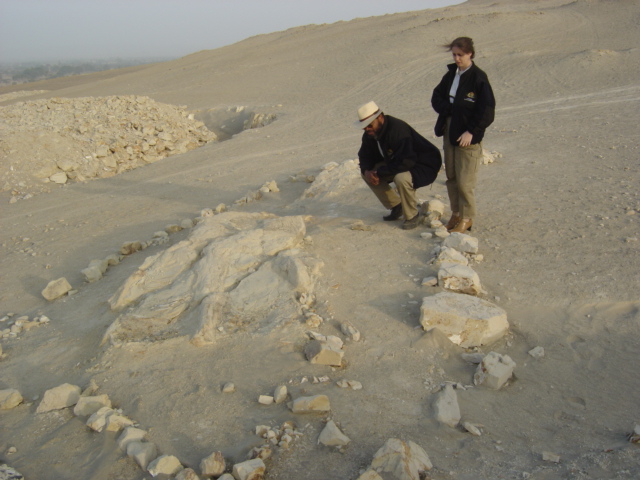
x: 558, y: 230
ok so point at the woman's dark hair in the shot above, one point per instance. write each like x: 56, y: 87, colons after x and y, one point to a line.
x: 463, y: 43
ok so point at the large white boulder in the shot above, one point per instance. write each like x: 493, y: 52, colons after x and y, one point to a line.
x: 401, y: 460
x: 467, y: 321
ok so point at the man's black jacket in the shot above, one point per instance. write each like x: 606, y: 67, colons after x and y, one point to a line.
x: 401, y: 149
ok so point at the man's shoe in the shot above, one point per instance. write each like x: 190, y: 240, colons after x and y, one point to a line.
x: 396, y: 213
x: 453, y: 222
x: 410, y: 224
x: 462, y: 226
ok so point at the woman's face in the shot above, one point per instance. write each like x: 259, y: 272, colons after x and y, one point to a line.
x: 463, y: 60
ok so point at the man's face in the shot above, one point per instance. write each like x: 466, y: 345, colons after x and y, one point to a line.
x: 374, y: 127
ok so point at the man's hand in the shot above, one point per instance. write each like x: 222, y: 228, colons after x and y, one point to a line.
x: 371, y: 177
x: 465, y: 139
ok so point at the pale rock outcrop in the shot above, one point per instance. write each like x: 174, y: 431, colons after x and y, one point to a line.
x: 462, y: 242
x: 467, y: 321
x: 249, y: 470
x: 59, y: 397
x: 91, y: 404
x: 8, y: 473
x: 401, y: 460
x: 332, y: 182
x: 164, y: 465
x: 494, y: 370
x: 459, y: 278
x: 10, y: 398
x: 142, y: 452
x: 213, y: 465
x: 246, y: 266
x: 56, y: 289
x: 446, y: 406
x: 316, y: 403
x: 332, y: 436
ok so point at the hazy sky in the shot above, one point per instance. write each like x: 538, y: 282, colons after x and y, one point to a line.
x: 51, y: 30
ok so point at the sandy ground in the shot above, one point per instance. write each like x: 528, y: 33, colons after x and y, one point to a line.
x: 557, y: 228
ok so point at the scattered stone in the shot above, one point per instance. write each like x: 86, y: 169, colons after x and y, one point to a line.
x: 56, y: 289
x: 62, y: 396
x: 113, y: 259
x: 128, y: 248
x: 446, y: 406
x: 165, y: 465
x: 249, y: 470
x: 90, y: 389
x: 187, y: 223
x: 537, y: 352
x: 213, y: 465
x: 131, y: 434
x: 316, y: 403
x: 102, y: 265
x: 474, y: 358
x: 228, y: 388
x: 462, y: 242
x: 98, y: 420
x: 313, y: 320
x: 494, y: 370
x: 402, y: 460
x: 370, y: 475
x: 116, y: 422
x: 226, y: 476
x: 635, y: 436
x: 450, y: 255
x: 352, y: 384
x: 550, y: 457
x: 280, y: 394
x: 325, y: 352
x: 351, y: 332
x: 265, y: 399
x: 426, y: 235
x: 472, y: 429
x: 429, y: 281
x: 467, y: 321
x: 10, y: 398
x: 91, y: 274
x: 435, y: 206
x: 142, y: 452
x: 89, y: 405
x: 332, y: 436
x: 189, y: 474
x: 8, y: 473
x: 459, y: 278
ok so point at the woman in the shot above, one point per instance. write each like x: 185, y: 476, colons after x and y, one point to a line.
x: 465, y: 103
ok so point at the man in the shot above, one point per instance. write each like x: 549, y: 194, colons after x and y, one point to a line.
x: 392, y: 151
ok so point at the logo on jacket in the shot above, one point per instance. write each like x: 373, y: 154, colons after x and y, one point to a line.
x: 471, y: 97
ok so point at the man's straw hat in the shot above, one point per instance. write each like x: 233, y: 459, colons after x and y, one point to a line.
x: 367, y: 113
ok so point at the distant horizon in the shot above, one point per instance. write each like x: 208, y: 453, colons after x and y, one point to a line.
x: 51, y: 31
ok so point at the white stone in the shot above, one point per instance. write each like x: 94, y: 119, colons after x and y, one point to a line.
x: 131, y: 434
x: 401, y: 460
x: 430, y: 281
x: 10, y: 398
x: 467, y: 321
x: 550, y: 457
x: 62, y: 396
x: 102, y: 265
x: 462, y: 242
x: 323, y: 353
x: 56, y: 289
x: 265, y: 399
x: 213, y: 465
x: 91, y: 404
x: 370, y: 475
x: 165, y: 465
x: 451, y: 255
x: 494, y: 370
x: 128, y: 248
x: 459, y: 278
x: 249, y: 470
x: 189, y: 474
x: 60, y: 178
x: 351, y: 332
x: 91, y: 274
x: 228, y: 388
x: 537, y: 352
x: 472, y: 429
x: 316, y: 403
x: 98, y: 420
x: 280, y: 394
x: 446, y: 406
x: 142, y: 452
x: 332, y: 436
x: 116, y: 422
